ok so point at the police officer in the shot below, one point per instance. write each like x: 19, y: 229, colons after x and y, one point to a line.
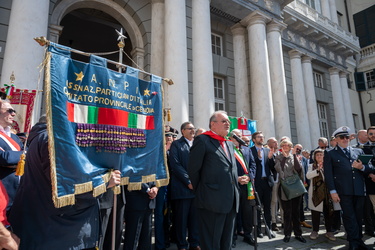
x: 345, y: 180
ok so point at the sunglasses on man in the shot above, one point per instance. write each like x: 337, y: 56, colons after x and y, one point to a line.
x: 11, y: 111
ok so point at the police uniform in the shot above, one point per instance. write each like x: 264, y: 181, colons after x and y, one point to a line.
x: 349, y: 184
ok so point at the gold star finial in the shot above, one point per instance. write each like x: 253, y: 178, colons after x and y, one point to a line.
x: 146, y: 92
x: 79, y: 76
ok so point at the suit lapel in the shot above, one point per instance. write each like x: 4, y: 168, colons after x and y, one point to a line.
x: 221, y: 150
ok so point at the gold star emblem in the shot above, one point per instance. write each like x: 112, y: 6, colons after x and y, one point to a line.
x: 79, y: 76
x: 146, y: 92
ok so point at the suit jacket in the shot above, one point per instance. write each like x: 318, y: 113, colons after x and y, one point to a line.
x: 138, y: 200
x: 33, y: 216
x: 213, y: 175
x: 8, y: 157
x: 269, y: 165
x: 249, y: 158
x: 178, y: 163
x: 367, y: 149
x: 339, y: 174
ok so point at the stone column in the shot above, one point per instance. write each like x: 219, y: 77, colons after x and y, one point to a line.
x: 312, y: 108
x: 300, y: 107
x: 347, y: 101
x: 240, y: 71
x: 277, y: 74
x: 203, y: 83
x: 157, y: 37
x: 175, y: 61
x: 325, y: 8
x: 338, y: 102
x: 138, y: 55
x: 332, y: 7
x: 261, y: 95
x: 28, y: 19
x: 55, y: 32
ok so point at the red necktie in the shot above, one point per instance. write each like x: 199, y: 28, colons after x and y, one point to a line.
x: 224, y: 147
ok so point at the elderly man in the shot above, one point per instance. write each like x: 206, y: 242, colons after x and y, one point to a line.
x: 362, y: 138
x: 213, y: 173
x: 10, y: 150
x: 322, y: 144
x: 345, y: 180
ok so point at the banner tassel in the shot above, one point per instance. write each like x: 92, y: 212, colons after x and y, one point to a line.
x: 20, y: 170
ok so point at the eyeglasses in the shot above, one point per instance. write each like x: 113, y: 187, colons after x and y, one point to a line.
x: 342, y: 137
x: 298, y: 149
x: 10, y: 111
x: 190, y: 128
x: 259, y: 136
x: 224, y: 121
x: 371, y: 134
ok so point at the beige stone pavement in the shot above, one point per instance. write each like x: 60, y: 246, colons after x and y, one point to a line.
x: 322, y: 243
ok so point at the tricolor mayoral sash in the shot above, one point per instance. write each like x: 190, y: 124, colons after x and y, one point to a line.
x: 99, y: 120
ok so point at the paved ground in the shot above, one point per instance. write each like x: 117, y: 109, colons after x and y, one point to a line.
x: 322, y: 243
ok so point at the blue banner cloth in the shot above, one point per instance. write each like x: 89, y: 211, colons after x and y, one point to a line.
x: 99, y: 120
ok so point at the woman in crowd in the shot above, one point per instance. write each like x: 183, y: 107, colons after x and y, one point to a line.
x: 287, y: 164
x: 319, y: 199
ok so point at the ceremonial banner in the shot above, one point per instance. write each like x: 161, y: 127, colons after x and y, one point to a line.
x: 99, y: 120
x: 22, y: 101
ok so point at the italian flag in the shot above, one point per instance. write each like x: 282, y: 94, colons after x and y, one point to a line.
x: 94, y: 115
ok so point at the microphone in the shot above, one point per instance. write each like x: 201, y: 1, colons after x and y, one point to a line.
x: 238, y: 139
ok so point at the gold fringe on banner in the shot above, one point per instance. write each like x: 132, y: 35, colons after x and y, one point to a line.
x: 99, y: 190
x: 148, y: 178
x: 124, y: 181
x: 162, y: 182
x: 64, y: 200
x: 82, y: 188
x: 134, y: 186
x: 116, y: 190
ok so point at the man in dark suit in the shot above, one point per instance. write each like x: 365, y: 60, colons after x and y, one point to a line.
x: 213, y: 173
x: 264, y: 180
x: 369, y: 149
x: 245, y: 169
x: 138, y: 213
x: 182, y: 195
x: 10, y: 151
x: 344, y: 177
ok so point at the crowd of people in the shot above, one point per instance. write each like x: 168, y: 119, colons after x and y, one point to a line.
x: 217, y: 182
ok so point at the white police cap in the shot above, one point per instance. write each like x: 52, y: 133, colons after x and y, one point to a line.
x: 344, y: 130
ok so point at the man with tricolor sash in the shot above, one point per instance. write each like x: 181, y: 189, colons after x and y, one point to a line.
x: 246, y: 170
x: 10, y: 150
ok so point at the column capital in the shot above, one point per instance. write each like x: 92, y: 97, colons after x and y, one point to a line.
x: 294, y: 54
x: 343, y: 74
x: 276, y: 25
x: 333, y: 71
x: 306, y: 59
x: 255, y: 17
x: 238, y: 29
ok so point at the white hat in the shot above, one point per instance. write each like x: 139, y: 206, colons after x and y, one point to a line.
x: 344, y: 130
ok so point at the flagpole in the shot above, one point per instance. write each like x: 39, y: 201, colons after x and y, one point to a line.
x: 43, y: 42
x: 121, y: 45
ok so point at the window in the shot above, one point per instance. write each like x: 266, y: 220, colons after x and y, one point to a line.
x: 339, y: 18
x: 217, y: 44
x: 318, y: 80
x: 356, y: 122
x: 323, y: 122
x: 370, y: 79
x: 219, y: 93
x: 315, y: 4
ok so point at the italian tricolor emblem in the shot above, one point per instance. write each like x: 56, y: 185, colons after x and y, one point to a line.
x: 79, y: 113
